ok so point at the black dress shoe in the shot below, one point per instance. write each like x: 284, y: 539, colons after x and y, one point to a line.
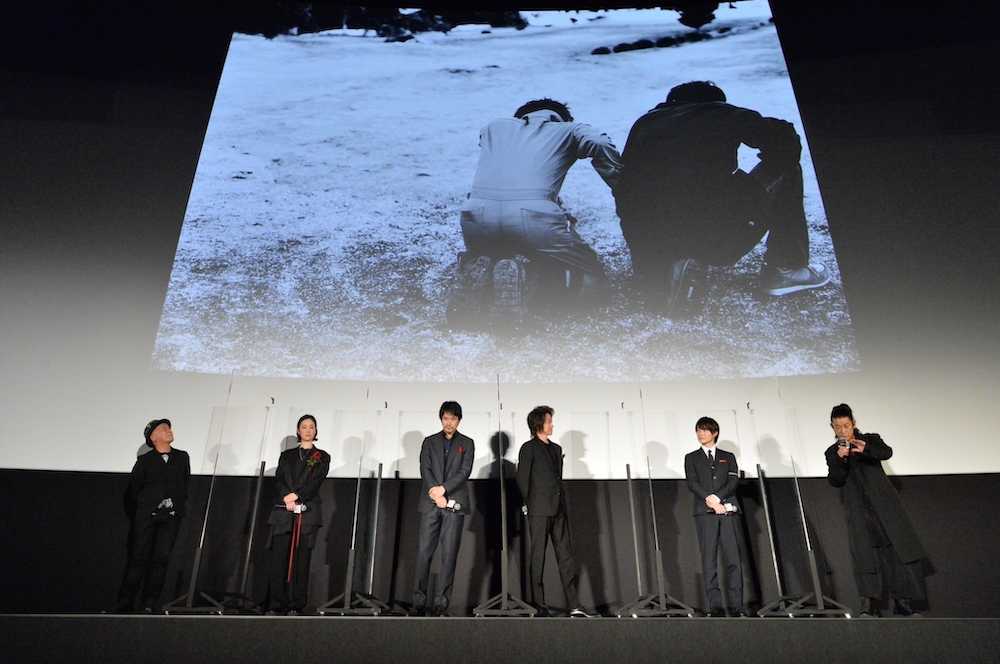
x: 740, y: 613
x: 867, y: 608
x: 902, y: 608
x: 541, y: 611
x: 716, y: 613
x: 293, y: 612
x: 440, y: 611
x: 415, y: 611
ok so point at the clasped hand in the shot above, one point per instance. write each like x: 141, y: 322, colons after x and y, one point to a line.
x: 713, y: 503
x: 436, y: 494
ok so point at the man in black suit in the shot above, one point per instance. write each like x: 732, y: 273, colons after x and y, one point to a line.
x: 158, y: 490
x: 445, y: 465
x: 885, y: 548
x: 539, y: 478
x: 712, y: 477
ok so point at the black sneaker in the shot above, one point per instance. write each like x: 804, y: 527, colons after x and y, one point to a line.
x: 902, y: 608
x: 782, y: 280
x: 580, y: 612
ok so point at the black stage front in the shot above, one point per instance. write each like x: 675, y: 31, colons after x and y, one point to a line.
x: 108, y: 639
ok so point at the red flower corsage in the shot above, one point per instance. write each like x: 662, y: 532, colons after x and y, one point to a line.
x: 460, y: 449
x: 314, y: 458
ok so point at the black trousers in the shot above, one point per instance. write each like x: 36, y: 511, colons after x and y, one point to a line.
x: 284, y: 595
x: 717, y: 531
x: 152, y: 539
x: 444, y: 528
x: 540, y: 530
x: 720, y: 226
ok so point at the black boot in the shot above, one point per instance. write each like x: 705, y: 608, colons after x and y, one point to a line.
x: 867, y: 608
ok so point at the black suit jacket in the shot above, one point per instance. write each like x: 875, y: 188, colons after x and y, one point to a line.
x: 703, y: 482
x: 152, y: 480
x: 452, y: 474
x: 539, y: 477
x: 293, y: 476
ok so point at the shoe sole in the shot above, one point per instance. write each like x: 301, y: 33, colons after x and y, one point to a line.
x: 795, y: 288
x: 507, y: 279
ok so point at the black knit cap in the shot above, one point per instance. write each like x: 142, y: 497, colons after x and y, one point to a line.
x: 149, y: 429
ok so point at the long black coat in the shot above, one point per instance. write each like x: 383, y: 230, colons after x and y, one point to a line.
x: 861, y: 475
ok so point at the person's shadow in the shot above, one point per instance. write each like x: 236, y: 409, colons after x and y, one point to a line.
x: 340, y: 519
x: 577, y: 442
x: 406, y: 523
x: 487, y: 523
x: 787, y: 537
x: 590, y: 514
x: 287, y: 443
x: 666, y: 494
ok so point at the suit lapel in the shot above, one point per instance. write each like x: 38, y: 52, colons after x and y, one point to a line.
x: 547, y: 452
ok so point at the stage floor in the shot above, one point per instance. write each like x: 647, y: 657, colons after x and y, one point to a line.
x: 174, y: 639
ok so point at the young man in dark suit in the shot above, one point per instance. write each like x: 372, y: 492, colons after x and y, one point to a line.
x: 539, y: 477
x: 712, y: 477
x: 445, y: 465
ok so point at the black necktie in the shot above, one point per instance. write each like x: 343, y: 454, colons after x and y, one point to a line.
x: 711, y: 459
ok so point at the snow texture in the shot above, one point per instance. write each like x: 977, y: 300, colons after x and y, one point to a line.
x: 322, y: 229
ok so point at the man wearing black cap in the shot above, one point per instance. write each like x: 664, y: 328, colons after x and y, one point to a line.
x: 158, y: 489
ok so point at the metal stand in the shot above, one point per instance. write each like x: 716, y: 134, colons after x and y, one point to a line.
x: 660, y: 604
x: 809, y: 605
x: 240, y: 602
x: 185, y: 603
x: 503, y: 604
x: 352, y: 602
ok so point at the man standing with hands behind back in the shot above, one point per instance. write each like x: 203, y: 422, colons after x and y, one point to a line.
x: 539, y: 477
x: 712, y: 477
x: 885, y: 549
x: 445, y: 465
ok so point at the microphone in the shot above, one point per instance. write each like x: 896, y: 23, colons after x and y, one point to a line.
x: 842, y: 442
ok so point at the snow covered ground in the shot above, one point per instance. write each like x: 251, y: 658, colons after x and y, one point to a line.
x: 323, y: 225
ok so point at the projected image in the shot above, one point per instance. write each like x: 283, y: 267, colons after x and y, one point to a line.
x: 435, y: 200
